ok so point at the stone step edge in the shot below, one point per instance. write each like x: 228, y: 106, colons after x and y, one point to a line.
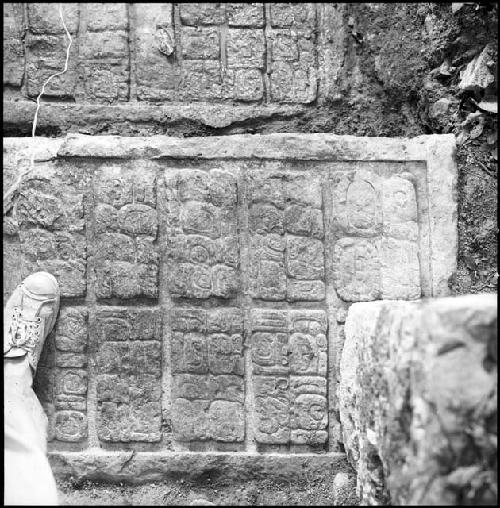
x: 132, y: 467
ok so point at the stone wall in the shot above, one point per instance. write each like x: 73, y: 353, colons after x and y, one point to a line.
x: 163, y: 52
x: 418, y: 400
x: 205, y: 281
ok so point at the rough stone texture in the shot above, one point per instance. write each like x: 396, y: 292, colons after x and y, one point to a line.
x: 344, y: 490
x: 205, y: 281
x: 417, y: 400
x: 143, y: 467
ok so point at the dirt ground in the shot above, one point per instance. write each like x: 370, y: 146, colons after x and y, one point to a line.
x: 308, y: 492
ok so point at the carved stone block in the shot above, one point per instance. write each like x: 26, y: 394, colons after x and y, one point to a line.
x: 200, y: 44
x: 129, y: 374
x: 107, y: 16
x: 357, y: 203
x: 272, y: 408
x: 200, y: 80
x: 247, y: 14
x: 208, y: 368
x: 105, y: 66
x: 61, y: 382
x: 357, y: 269
x: 244, y: 84
x: 285, y: 265
x: 289, y: 363
x: 309, y: 410
x: 13, y: 47
x: 199, y: 211
x: 126, y: 261
x: 370, y: 204
x: 245, y: 48
x: 400, y: 208
x: 154, y: 44
x: 293, y: 69
x: 46, y: 55
x: 50, y: 216
x: 293, y: 15
x: 70, y: 426
x: 201, y: 14
x: 44, y: 18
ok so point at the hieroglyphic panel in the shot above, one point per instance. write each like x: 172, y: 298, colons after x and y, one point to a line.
x: 207, y: 366
x: 375, y: 218
x: 202, y: 234
x: 129, y: 374
x: 289, y: 364
x: 125, y: 222
x: 286, y: 237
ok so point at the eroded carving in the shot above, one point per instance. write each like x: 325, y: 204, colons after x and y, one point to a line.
x: 129, y: 374
x: 202, y: 234
x: 126, y: 261
x: 286, y: 242
x: 207, y: 364
x: 289, y: 363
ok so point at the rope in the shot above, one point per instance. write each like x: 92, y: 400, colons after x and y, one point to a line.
x: 8, y: 196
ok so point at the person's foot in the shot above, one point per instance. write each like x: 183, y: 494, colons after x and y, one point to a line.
x: 29, y: 316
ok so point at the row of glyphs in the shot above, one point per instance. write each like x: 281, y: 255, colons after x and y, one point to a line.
x: 197, y: 228
x: 165, y: 52
x: 288, y: 351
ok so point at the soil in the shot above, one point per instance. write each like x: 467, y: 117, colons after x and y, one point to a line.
x: 308, y: 492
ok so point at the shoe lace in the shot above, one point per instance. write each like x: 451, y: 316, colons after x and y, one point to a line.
x: 23, y: 333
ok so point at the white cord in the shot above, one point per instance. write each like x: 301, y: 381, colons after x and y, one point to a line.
x: 7, y: 197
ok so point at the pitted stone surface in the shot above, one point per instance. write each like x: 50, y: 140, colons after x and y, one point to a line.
x: 205, y: 281
x: 418, y: 400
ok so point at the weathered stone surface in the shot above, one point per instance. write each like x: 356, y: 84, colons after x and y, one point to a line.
x: 252, y: 56
x: 134, y: 116
x: 289, y: 366
x: 45, y: 56
x: 200, y: 44
x: 285, y: 265
x: 292, y: 15
x: 344, y: 490
x: 478, y: 73
x: 293, y: 74
x: 417, y: 400
x: 155, y: 72
x: 105, y: 67
x: 199, y: 210
x: 143, y: 467
x: 62, y: 379
x: 126, y: 261
x: 245, y: 14
x: 107, y: 16
x: 44, y: 18
x: 13, y: 48
x: 201, y: 14
x: 129, y: 374
x: 245, y: 48
x: 51, y: 221
x: 207, y: 364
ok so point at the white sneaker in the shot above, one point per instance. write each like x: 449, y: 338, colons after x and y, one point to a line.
x: 29, y: 316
